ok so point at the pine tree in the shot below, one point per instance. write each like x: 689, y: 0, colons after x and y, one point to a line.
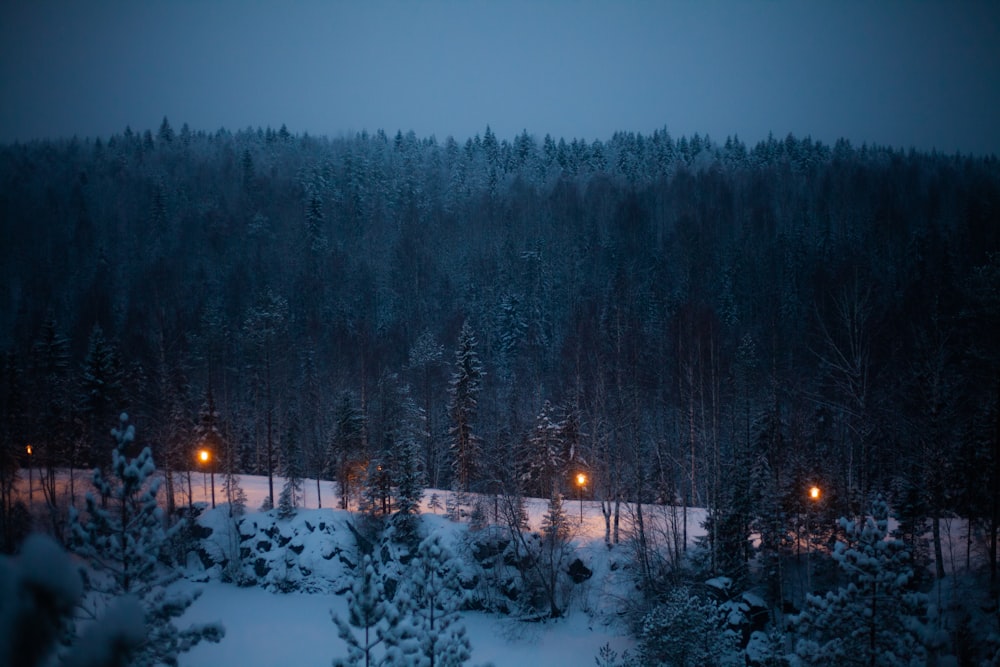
x: 291, y: 490
x: 51, y: 436
x: 543, y: 460
x: 369, y: 612
x: 409, y: 469
x: 465, y: 386
x: 123, y: 544
x: 265, y: 322
x: 429, y: 598
x: 554, y: 554
x: 346, y: 451
x: 875, y: 619
x: 101, y: 394
x: 166, y: 133
x: 315, y: 238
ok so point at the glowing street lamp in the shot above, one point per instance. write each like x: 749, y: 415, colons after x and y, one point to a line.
x: 581, y: 481
x: 205, y: 456
x: 815, y: 493
x: 31, y: 486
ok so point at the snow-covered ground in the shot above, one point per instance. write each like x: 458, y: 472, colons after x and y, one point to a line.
x: 273, y: 630
x: 270, y: 629
x: 266, y: 629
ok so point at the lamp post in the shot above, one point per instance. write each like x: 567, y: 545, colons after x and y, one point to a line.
x: 581, y: 480
x: 205, y: 456
x: 31, y: 486
x: 815, y: 494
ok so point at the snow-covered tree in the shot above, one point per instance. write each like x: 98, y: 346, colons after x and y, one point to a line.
x: 40, y: 589
x: 101, y: 391
x: 409, y: 469
x: 345, y: 456
x: 543, y: 460
x: 292, y: 467
x: 554, y: 556
x: 873, y: 619
x: 123, y: 543
x: 367, y: 611
x: 465, y: 386
x: 266, y: 320
x: 428, y: 634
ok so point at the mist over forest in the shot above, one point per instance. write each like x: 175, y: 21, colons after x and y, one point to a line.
x: 687, y: 320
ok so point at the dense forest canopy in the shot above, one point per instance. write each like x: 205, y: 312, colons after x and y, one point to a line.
x: 685, y: 320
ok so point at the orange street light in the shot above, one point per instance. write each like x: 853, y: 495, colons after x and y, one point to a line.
x: 581, y: 481
x: 814, y: 493
x: 31, y: 482
x: 204, y: 455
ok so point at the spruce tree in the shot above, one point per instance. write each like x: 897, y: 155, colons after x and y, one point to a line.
x: 543, y: 461
x: 876, y: 617
x: 292, y: 467
x: 466, y: 384
x: 553, y: 559
x: 123, y: 544
x: 409, y: 469
x: 429, y: 600
x: 51, y: 436
x: 367, y: 611
x: 101, y: 394
x: 346, y: 450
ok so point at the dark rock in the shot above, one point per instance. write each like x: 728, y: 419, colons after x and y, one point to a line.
x: 261, y: 568
x: 297, y: 548
x: 579, y: 572
x: 263, y: 545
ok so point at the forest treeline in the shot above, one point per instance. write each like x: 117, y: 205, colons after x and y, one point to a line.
x: 682, y: 320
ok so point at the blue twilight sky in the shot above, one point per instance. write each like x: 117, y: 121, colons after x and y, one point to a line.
x: 902, y: 73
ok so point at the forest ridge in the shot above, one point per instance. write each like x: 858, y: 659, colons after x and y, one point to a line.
x: 687, y: 321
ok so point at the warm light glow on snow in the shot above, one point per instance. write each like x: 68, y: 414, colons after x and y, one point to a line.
x: 814, y: 493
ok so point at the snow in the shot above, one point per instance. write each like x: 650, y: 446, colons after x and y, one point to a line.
x: 269, y: 630
x: 265, y: 628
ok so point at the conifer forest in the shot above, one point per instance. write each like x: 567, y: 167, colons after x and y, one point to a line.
x: 688, y: 322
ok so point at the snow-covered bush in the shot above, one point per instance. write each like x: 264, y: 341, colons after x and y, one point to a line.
x: 685, y: 630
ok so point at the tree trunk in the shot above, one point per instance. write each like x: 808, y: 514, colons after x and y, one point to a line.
x: 995, y: 493
x: 938, y: 554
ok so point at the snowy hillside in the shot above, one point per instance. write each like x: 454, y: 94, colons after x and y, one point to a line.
x: 310, y: 555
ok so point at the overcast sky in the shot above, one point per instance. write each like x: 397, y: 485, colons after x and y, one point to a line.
x: 920, y: 74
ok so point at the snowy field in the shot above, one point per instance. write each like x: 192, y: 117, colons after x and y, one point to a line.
x: 271, y: 630
x: 266, y: 629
